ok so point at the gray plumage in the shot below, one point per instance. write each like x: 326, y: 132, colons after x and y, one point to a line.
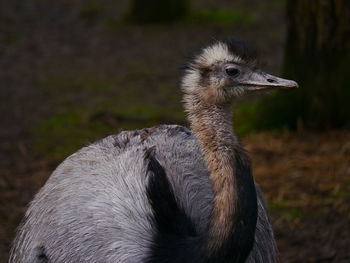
x: 94, y: 207
x: 111, y: 201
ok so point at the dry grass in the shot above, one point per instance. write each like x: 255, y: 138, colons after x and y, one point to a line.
x: 306, y: 179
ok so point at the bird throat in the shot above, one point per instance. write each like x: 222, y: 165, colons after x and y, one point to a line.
x: 228, y: 222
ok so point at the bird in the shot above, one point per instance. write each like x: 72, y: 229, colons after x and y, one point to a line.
x: 166, y: 193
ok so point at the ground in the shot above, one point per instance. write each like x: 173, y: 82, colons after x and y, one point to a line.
x: 67, y: 80
x: 305, y: 177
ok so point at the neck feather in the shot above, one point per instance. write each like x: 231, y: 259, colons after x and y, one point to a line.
x: 212, y: 125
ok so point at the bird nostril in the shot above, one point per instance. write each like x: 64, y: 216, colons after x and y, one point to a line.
x: 271, y: 80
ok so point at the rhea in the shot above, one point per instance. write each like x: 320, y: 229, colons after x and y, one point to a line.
x: 166, y: 193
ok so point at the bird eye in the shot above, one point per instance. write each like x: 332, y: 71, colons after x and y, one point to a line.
x: 232, y: 72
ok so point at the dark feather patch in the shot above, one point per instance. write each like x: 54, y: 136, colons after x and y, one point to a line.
x: 175, y: 230
x: 169, y: 217
x: 243, y: 237
x: 41, y: 255
x: 243, y: 49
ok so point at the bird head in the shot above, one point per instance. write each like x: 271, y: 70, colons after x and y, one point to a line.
x: 226, y: 70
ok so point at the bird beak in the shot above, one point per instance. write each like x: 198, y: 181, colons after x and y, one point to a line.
x: 262, y: 81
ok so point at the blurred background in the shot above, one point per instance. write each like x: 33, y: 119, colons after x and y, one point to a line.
x: 74, y: 71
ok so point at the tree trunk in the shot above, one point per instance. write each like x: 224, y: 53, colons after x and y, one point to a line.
x: 318, y: 57
x: 157, y: 11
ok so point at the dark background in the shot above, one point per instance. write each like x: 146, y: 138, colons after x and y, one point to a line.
x: 72, y: 72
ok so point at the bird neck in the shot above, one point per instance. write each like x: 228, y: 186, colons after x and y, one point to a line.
x: 233, y: 187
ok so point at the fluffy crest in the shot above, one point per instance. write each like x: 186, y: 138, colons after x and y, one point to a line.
x: 229, y: 50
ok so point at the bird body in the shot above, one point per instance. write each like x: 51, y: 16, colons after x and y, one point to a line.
x: 161, y: 194
x: 95, y: 204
